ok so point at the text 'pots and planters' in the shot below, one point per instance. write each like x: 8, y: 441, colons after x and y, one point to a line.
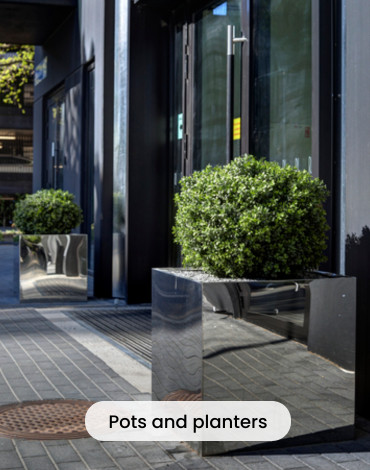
x: 52, y: 261
x: 249, y: 317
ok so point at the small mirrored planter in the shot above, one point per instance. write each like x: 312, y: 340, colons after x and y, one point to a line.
x: 287, y: 341
x: 52, y: 268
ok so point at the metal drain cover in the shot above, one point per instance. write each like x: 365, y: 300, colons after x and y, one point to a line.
x: 44, y: 419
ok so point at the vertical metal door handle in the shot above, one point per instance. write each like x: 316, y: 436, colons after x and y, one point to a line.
x: 231, y: 41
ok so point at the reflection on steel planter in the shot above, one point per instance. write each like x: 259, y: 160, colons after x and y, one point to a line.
x: 287, y: 341
x: 53, y: 268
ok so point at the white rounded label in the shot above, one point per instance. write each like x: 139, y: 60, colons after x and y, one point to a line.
x: 188, y: 421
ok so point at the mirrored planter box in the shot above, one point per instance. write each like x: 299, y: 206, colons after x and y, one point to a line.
x: 53, y: 268
x: 287, y: 341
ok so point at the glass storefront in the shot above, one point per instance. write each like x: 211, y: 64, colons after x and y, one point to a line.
x: 210, y: 84
x: 278, y: 69
x: 55, y: 143
x: 281, y: 83
x: 271, y: 91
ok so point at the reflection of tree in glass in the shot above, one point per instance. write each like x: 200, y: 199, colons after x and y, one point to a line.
x: 16, y: 69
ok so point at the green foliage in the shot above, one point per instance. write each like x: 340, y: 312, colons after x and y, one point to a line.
x: 251, y: 218
x: 47, y: 211
x: 16, y: 69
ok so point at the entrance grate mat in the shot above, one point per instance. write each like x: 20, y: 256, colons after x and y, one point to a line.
x: 44, y: 419
x: 131, y: 328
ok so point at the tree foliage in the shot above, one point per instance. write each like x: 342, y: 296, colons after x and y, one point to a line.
x: 16, y: 69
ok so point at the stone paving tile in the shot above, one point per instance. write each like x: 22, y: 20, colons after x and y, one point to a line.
x: 132, y: 463
x: 96, y: 458
x: 355, y: 465
x: 250, y: 458
x: 119, y: 449
x: 283, y: 461
x: 340, y: 457
x: 298, y: 468
x: 72, y: 466
x: 37, y: 463
x: 6, y: 445
x: 30, y: 448
x: 9, y: 460
x: 154, y: 454
x: 167, y: 466
x: 264, y: 465
x: 365, y: 456
x: 63, y: 453
x: 225, y: 463
x: 318, y: 462
x: 196, y: 465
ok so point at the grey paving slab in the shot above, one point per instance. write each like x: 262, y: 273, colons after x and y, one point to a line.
x: 154, y: 454
x: 250, y: 458
x: 226, y: 463
x: 167, y: 466
x: 196, y: 464
x: 36, y: 463
x: 132, y: 463
x: 341, y: 457
x: 9, y: 460
x: 97, y: 458
x: 283, y: 461
x: 355, y: 465
x: 30, y: 448
x: 319, y: 462
x: 6, y: 445
x: 63, y: 453
x: 264, y: 465
x: 119, y: 449
x: 72, y: 466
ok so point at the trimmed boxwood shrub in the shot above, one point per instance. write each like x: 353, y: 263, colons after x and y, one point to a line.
x: 251, y: 218
x: 47, y: 211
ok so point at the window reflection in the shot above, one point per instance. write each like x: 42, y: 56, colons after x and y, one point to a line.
x: 281, y: 82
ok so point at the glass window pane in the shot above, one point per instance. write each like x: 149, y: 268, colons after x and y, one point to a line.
x: 209, y: 144
x: 281, y: 82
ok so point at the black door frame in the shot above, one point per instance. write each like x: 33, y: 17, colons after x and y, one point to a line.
x: 88, y: 157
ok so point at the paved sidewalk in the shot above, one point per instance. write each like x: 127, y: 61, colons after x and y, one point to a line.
x: 45, y: 354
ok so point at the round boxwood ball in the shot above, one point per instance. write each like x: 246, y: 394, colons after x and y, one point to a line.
x: 251, y: 218
x: 47, y: 211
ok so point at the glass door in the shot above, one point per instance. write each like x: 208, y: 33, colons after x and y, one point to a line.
x: 200, y: 124
x: 55, y: 154
x: 200, y: 95
x: 281, y: 82
x: 210, y: 85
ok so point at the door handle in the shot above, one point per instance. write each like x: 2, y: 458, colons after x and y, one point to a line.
x: 231, y: 41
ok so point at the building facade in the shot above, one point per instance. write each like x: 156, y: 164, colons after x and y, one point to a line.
x: 131, y: 95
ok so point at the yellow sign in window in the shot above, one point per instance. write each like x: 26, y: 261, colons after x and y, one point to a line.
x: 236, y: 129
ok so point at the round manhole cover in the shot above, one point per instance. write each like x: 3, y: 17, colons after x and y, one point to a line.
x: 45, y: 419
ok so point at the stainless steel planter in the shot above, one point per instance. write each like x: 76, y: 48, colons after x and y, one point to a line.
x: 286, y: 341
x: 53, y: 268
